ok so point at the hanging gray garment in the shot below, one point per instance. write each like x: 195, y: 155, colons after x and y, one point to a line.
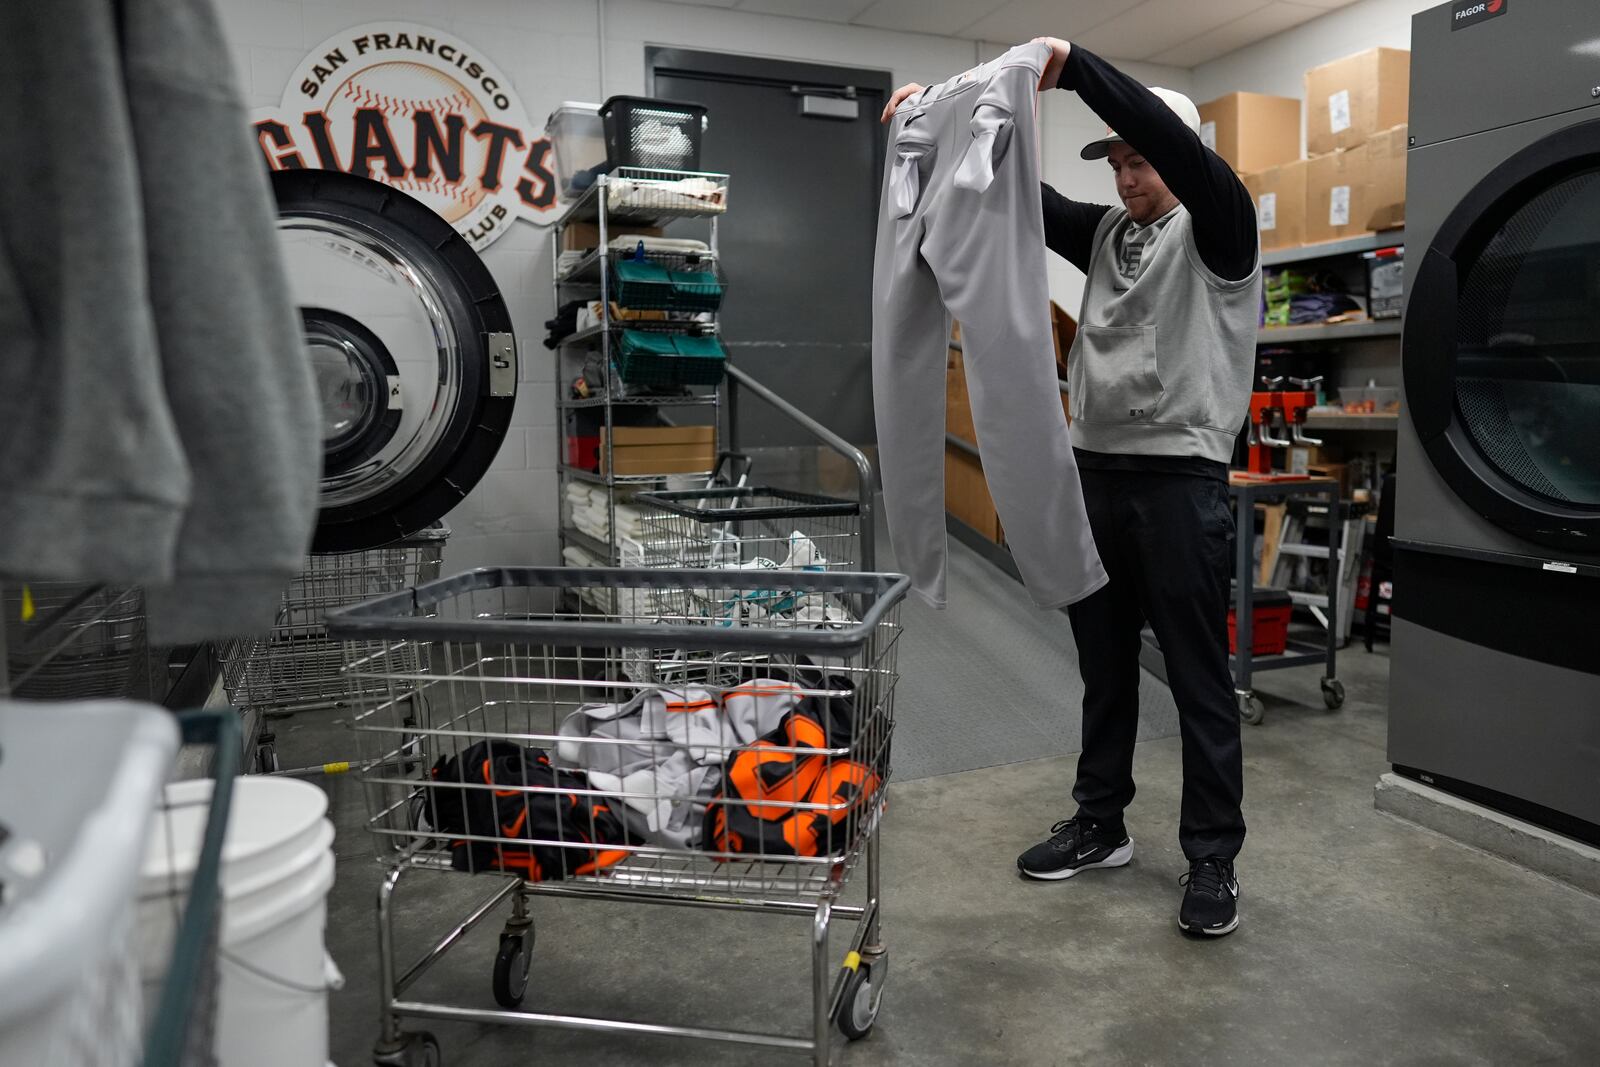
x: 233, y: 359
x: 158, y: 420
x: 961, y: 232
x: 93, y: 479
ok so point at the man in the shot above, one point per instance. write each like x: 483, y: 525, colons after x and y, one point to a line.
x: 1159, y: 378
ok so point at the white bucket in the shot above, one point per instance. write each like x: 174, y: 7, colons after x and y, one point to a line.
x: 277, y: 868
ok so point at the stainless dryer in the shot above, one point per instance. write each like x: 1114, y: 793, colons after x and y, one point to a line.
x: 1495, y: 683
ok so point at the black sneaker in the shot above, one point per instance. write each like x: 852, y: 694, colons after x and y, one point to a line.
x: 1210, y: 898
x: 1075, y: 845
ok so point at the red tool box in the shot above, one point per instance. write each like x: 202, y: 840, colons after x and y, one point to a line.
x: 1269, y: 627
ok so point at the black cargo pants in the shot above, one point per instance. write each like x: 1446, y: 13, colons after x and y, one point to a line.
x: 1167, y: 543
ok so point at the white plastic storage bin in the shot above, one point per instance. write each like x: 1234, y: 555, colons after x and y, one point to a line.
x: 77, y: 786
x: 579, y: 138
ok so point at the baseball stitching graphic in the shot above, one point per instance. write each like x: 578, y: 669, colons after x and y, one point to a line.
x: 399, y: 90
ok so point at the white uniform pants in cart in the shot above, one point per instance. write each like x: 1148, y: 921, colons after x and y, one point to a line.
x: 961, y: 232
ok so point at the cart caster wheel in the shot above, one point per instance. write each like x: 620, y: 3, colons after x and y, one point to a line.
x: 267, y: 759
x: 1251, y: 710
x: 1333, y: 693
x: 863, y: 993
x: 511, y: 966
x: 414, y: 1050
x: 410, y: 753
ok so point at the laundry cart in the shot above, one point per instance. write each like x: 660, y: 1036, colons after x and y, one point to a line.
x: 74, y: 641
x: 753, y: 526
x: 550, y: 764
x: 295, y: 667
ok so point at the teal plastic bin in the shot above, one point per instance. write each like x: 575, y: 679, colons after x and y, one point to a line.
x: 696, y: 290
x: 649, y: 358
x: 644, y: 285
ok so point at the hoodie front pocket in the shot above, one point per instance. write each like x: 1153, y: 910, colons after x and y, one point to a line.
x: 1119, y: 382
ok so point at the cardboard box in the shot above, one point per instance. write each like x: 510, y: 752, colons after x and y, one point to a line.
x: 1337, y: 195
x: 957, y: 404
x: 966, y: 493
x: 1386, y: 166
x: 1302, y: 458
x: 1063, y: 331
x: 1280, y: 196
x: 1350, y: 99
x: 1339, y: 472
x: 659, y: 449
x: 1252, y: 131
x: 582, y: 236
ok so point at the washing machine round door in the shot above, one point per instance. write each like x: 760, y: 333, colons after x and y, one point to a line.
x: 1502, y: 344
x: 412, y: 351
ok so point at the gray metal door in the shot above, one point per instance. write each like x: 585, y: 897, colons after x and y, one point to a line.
x: 797, y: 242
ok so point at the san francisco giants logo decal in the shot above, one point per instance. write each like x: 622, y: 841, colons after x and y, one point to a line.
x: 421, y: 111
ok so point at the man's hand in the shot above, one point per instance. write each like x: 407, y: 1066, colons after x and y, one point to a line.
x: 1059, y: 50
x: 897, y: 99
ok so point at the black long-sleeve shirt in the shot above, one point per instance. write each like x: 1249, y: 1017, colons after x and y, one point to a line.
x: 1223, y: 214
x: 1221, y: 211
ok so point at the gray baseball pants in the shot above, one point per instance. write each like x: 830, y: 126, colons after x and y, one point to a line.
x: 961, y: 233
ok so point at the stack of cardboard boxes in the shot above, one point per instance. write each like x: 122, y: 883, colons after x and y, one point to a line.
x: 1353, y: 177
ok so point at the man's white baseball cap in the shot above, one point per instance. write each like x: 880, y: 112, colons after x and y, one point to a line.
x: 1181, y: 105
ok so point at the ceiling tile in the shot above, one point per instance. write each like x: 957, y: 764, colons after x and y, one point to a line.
x: 706, y: 3
x: 948, y: 17
x: 1023, y: 20
x: 821, y: 10
x: 1274, y: 18
x: 1156, y: 26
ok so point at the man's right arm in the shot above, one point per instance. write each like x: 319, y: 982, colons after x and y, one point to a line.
x: 1069, y: 226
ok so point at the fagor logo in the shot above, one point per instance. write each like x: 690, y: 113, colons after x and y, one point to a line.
x: 1465, y: 13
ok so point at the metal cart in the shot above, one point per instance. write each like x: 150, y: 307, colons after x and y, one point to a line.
x: 733, y: 527
x: 1242, y: 663
x: 296, y: 667
x: 513, y: 655
x: 71, y: 641
x: 1299, y: 653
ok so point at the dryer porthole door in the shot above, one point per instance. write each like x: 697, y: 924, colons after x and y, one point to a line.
x: 411, y: 348
x: 1502, y: 344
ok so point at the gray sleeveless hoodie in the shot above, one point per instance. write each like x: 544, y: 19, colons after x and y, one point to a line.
x: 1162, y: 364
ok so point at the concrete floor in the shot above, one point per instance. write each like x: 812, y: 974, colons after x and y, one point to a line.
x: 1364, y: 940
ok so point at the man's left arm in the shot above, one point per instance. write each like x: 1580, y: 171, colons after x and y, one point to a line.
x: 1223, y: 213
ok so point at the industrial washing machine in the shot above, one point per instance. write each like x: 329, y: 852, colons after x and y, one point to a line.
x: 412, y: 348
x: 1495, y: 681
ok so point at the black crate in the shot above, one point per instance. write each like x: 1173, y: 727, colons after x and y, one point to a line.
x: 1385, y: 284
x: 659, y: 134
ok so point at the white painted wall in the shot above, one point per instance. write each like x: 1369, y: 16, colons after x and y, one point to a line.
x: 551, y: 49
x: 1278, y: 64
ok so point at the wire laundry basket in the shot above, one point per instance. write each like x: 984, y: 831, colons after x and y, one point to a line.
x: 512, y: 780
x: 296, y: 667
x: 72, y: 641
x: 754, y: 526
